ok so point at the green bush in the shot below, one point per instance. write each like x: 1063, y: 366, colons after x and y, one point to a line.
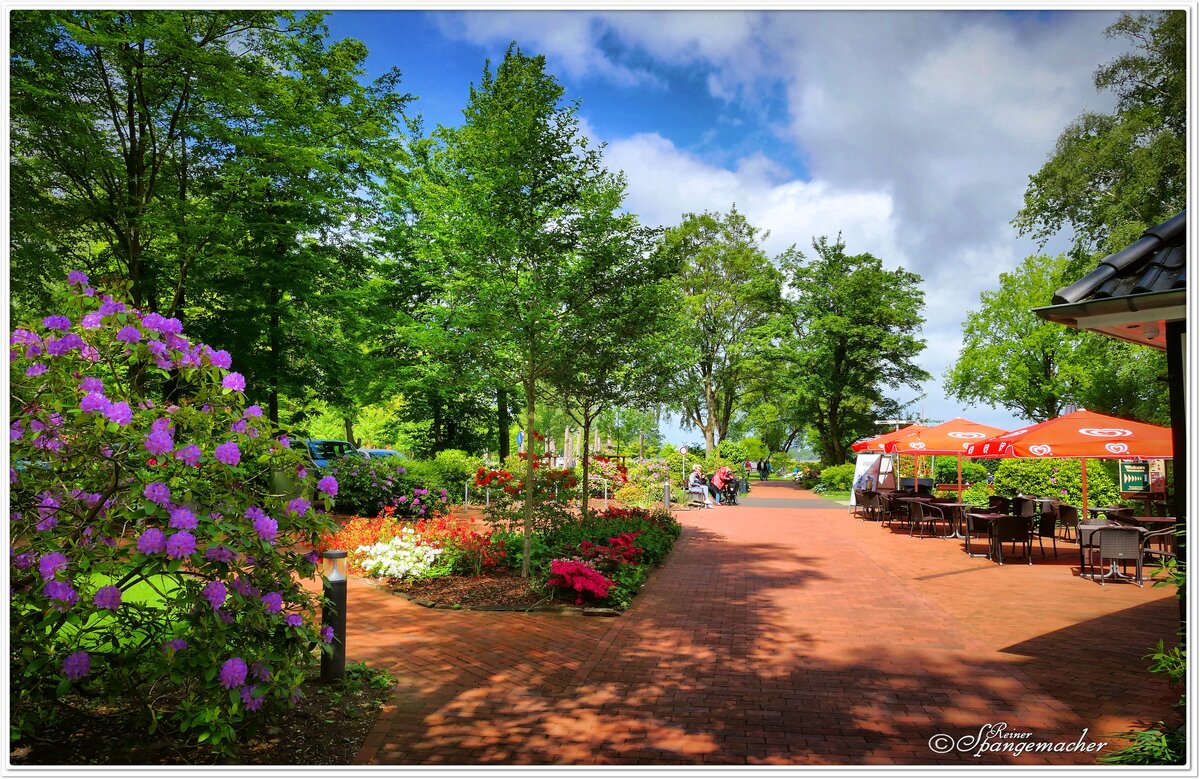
x: 837, y: 478
x: 809, y: 475
x: 1056, y: 478
x: 454, y: 468
x: 945, y: 471
x: 734, y: 451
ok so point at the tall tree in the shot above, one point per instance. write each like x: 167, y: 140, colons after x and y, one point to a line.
x: 730, y: 288
x: 1034, y: 368
x: 848, y: 336
x: 1111, y: 176
x: 212, y: 158
x: 502, y: 207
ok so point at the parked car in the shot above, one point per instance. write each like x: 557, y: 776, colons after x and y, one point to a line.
x: 323, y: 452
x: 380, y: 452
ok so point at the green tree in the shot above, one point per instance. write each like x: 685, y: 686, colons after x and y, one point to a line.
x: 848, y: 334
x: 1111, y: 176
x: 1015, y: 360
x: 730, y: 289
x: 503, y: 205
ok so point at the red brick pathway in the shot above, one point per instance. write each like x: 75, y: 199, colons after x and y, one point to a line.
x: 774, y: 636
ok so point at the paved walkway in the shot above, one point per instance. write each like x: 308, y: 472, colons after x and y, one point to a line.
x: 775, y: 636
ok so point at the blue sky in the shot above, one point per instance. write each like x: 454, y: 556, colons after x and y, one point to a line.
x: 912, y: 133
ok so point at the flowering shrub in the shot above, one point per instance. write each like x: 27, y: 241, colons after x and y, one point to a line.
x: 618, y: 551
x: 407, y: 556
x: 115, y: 490
x: 553, y: 490
x: 1056, y: 478
x: 579, y: 577
x: 368, y: 485
x: 466, y: 551
x: 361, y: 532
x: 602, y: 468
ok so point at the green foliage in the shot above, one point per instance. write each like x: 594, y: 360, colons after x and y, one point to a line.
x: 945, y: 471
x: 730, y: 291
x: 809, y: 475
x: 1111, y: 176
x: 782, y: 462
x: 455, y: 467
x: 1013, y: 359
x: 100, y: 480
x: 1056, y: 478
x: 848, y: 335
x: 368, y: 484
x: 837, y: 478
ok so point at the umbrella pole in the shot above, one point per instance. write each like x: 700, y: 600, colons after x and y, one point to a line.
x: 960, y: 478
x: 1083, y: 473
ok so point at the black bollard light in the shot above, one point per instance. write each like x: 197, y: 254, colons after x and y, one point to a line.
x: 333, y: 613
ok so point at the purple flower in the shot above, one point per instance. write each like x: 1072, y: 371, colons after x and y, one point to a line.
x: 249, y: 700
x: 156, y: 347
x: 92, y: 321
x: 94, y: 401
x: 244, y: 588
x: 298, y: 505
x: 327, y: 634
x: 190, y: 454
x: 266, y: 528
x: 77, y: 665
x: 151, y: 541
x: 252, y: 411
x: 294, y: 620
x: 15, y: 431
x: 153, y: 321
x: 157, y: 492
x: 273, y: 601
x: 233, y: 673
x: 23, y: 561
x: 254, y: 512
x: 51, y: 564
x: 91, y: 384
x: 215, y: 593
x: 77, y: 277
x: 284, y: 441
x: 158, y: 442
x: 239, y: 426
x: 234, y: 381
x: 119, y: 413
x: 107, y: 597
x: 57, y: 323
x: 220, y: 358
x: 313, y: 557
x: 228, y: 453
x: 180, y: 545
x: 37, y: 369
x: 174, y: 646
x: 219, y: 554
x: 260, y: 670
x: 61, y: 591
x: 129, y: 334
x: 182, y: 518
x: 329, y: 486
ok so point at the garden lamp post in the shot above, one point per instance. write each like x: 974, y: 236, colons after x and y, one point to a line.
x: 333, y: 613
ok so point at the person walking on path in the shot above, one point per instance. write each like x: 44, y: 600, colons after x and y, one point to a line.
x: 764, y: 469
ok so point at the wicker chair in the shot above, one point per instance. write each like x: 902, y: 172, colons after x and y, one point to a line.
x: 1068, y: 520
x: 1024, y: 507
x: 859, y: 499
x: 1159, y: 546
x: 1120, y: 545
x: 872, y: 506
x: 998, y: 504
x: 976, y: 527
x: 1015, y: 530
x: 925, y: 515
x: 1044, y: 526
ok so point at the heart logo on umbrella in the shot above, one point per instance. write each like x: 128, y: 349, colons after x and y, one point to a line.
x: 1041, y: 450
x: 1117, y: 448
x: 1106, y: 432
x: 917, y: 445
x: 966, y: 434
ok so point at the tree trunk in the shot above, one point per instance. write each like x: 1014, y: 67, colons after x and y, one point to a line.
x: 529, y: 455
x: 502, y: 421
x: 641, y: 444
x: 273, y: 300
x: 585, y: 494
x: 349, y: 429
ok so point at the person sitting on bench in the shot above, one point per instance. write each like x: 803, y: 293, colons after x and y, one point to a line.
x: 698, y: 485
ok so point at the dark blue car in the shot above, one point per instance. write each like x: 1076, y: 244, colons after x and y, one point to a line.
x: 323, y: 452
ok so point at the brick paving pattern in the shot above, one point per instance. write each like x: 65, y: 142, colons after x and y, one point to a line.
x: 776, y: 633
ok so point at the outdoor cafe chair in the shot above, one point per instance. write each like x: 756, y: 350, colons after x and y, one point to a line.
x: 924, y: 515
x: 1014, y: 530
x: 976, y: 526
x: 1119, y: 545
x: 1159, y: 546
x: 859, y: 499
x: 1044, y: 526
x: 872, y: 505
x: 998, y: 504
x: 1068, y: 520
x: 1024, y: 507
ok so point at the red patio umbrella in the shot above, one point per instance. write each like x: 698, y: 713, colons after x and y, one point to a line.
x: 879, y: 442
x: 952, y: 437
x: 1082, y: 434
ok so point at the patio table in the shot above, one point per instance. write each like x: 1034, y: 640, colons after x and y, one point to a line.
x: 986, y: 516
x: 1085, y: 542
x: 957, y: 520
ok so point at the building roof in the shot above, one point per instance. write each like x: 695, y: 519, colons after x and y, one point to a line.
x: 1132, y: 293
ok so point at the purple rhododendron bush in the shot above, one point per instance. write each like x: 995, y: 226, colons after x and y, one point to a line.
x: 151, y: 564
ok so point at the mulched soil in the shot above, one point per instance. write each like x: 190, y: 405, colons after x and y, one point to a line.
x: 326, y: 727
x: 499, y: 591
